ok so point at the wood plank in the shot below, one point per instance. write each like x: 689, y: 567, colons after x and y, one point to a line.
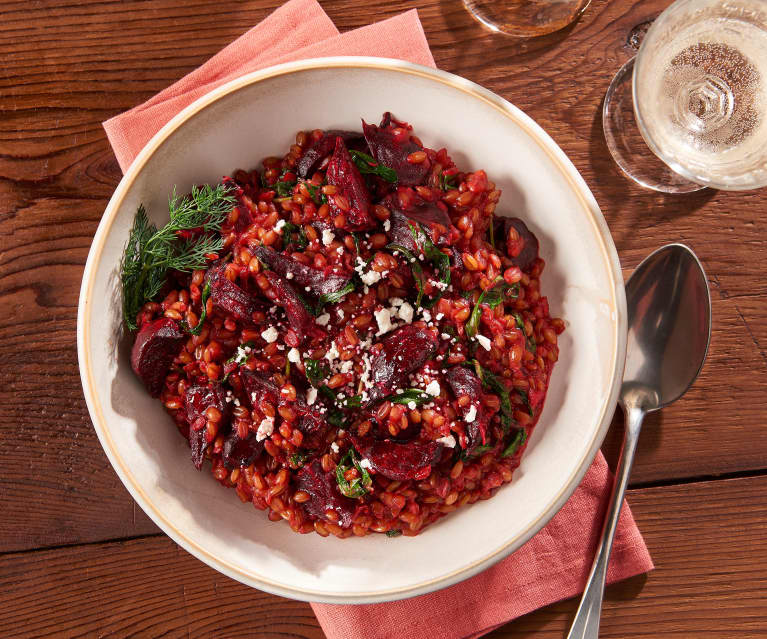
x: 707, y: 539
x: 71, y: 65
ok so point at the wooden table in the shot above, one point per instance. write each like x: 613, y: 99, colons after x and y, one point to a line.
x: 79, y: 558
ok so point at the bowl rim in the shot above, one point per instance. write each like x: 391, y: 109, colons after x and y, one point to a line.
x: 569, y: 173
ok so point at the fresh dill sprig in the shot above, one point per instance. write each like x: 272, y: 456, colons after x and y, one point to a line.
x: 151, y: 253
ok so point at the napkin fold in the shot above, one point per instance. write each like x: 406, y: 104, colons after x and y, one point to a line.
x: 555, y: 563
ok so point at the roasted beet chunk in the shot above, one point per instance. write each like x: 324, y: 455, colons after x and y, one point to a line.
x: 522, y: 246
x: 463, y: 382
x: 285, y: 295
x: 351, y: 191
x: 400, y: 231
x: 391, y: 145
x: 313, y: 156
x: 260, y: 388
x: 404, y: 351
x: 403, y: 222
x: 323, y: 489
x: 400, y: 461
x: 321, y: 282
x: 156, y: 345
x: 239, y: 452
x: 197, y: 400
x: 229, y: 297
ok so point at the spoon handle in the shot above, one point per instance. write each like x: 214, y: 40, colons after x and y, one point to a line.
x: 586, y: 622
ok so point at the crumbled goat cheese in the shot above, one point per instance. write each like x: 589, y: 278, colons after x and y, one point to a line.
x: 327, y: 237
x: 471, y: 415
x: 278, y: 226
x: 484, y: 342
x: 448, y: 441
x: 411, y: 405
x: 438, y: 316
x: 334, y: 447
x: 270, y: 334
x: 406, y: 312
x: 383, y: 318
x: 340, y: 313
x: 396, y: 301
x: 311, y: 396
x: 370, y: 278
x: 387, y: 225
x: 323, y: 319
x: 332, y: 353
x: 433, y: 388
x: 265, y: 429
x: 365, y: 463
x: 426, y: 315
x: 289, y: 275
x: 294, y: 356
x: 346, y: 367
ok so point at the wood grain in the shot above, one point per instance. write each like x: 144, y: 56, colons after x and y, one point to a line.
x: 707, y: 539
x: 67, y: 66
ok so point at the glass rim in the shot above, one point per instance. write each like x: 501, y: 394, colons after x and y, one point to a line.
x: 663, y: 19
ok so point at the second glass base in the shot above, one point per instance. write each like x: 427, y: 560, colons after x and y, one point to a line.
x: 526, y: 18
x: 626, y: 144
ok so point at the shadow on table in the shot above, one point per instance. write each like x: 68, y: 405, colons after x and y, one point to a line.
x: 616, y: 193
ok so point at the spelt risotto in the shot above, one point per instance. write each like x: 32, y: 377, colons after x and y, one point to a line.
x: 348, y: 336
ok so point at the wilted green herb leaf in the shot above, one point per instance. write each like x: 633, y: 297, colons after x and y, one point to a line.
x: 447, y: 182
x: 518, y: 440
x: 284, y: 189
x: 393, y: 533
x: 357, y: 487
x: 367, y: 164
x: 415, y: 395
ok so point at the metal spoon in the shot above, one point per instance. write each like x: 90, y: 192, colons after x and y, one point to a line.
x: 669, y: 319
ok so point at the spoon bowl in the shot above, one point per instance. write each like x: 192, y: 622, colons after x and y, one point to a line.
x: 669, y: 328
x: 669, y: 311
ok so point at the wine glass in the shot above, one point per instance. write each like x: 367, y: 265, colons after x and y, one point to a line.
x: 690, y: 110
x: 526, y: 18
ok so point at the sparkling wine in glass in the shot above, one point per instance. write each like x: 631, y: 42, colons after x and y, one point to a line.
x: 526, y: 18
x: 696, y: 95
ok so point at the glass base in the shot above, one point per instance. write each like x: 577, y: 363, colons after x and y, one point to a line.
x: 626, y: 144
x: 526, y: 18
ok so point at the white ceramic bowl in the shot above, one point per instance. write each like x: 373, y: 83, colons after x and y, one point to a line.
x: 258, y: 115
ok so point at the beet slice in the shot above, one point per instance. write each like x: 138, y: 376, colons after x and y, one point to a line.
x: 286, y: 296
x: 313, y: 156
x: 196, y: 401
x: 522, y: 252
x: 321, y: 282
x: 238, y: 452
x: 154, y: 349
x: 259, y: 388
x: 404, y: 351
x: 392, y: 150
x: 323, y: 489
x: 397, y: 460
x: 463, y: 382
x: 400, y: 232
x: 229, y: 297
x: 346, y: 177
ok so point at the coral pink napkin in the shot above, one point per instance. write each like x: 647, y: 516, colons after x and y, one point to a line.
x: 555, y: 563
